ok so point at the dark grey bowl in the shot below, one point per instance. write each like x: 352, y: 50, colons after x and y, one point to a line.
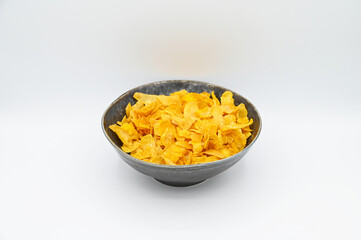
x: 186, y: 175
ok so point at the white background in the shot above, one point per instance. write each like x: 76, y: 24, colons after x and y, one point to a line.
x: 63, y: 62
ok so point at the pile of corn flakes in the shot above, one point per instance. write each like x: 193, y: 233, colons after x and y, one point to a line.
x: 183, y: 128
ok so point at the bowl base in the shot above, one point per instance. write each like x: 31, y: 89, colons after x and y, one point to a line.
x: 179, y: 184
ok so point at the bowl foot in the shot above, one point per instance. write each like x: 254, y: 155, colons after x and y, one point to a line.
x: 179, y: 184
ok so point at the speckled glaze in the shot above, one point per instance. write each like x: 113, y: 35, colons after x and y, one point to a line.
x: 185, y: 175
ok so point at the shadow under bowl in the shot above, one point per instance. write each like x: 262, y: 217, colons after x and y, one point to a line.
x: 184, y: 175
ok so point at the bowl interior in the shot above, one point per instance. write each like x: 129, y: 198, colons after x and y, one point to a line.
x: 116, y: 111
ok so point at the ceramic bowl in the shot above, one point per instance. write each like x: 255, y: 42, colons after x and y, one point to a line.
x: 185, y: 175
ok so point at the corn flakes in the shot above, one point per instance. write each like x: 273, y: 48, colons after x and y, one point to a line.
x: 183, y: 128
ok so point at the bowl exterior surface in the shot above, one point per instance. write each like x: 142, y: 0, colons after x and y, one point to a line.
x: 180, y: 176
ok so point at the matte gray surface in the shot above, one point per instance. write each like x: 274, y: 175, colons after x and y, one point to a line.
x: 177, y: 175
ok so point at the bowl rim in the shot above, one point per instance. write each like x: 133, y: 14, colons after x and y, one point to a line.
x: 180, y: 167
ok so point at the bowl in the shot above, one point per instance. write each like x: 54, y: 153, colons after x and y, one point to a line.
x: 184, y: 175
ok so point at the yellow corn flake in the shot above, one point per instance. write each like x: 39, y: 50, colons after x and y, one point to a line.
x: 242, y: 111
x: 180, y: 93
x: 189, y: 158
x: 229, y: 109
x: 191, y: 97
x: 138, y: 105
x: 172, y: 101
x: 228, y: 119
x: 206, y: 141
x: 247, y: 134
x: 247, y: 129
x: 214, y: 152
x: 145, y: 98
x: 197, y: 148
x: 128, y: 109
x: 173, y: 154
x: 205, y: 112
x: 226, y: 152
x: 206, y: 126
x: 204, y: 159
x: 212, y: 159
x: 217, y: 116
x: 183, y: 128
x: 196, y: 137
x: 184, y: 133
x: 198, y: 160
x: 174, y: 112
x: 242, y: 120
x: 228, y: 128
x: 182, y: 122
x: 162, y: 126
x: 227, y: 98
x: 190, y: 109
x: 124, y: 132
x: 167, y: 139
x: 243, y: 125
x: 133, y: 146
x: 157, y: 160
x: 215, y: 100
x: 147, y: 139
x: 185, y: 144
